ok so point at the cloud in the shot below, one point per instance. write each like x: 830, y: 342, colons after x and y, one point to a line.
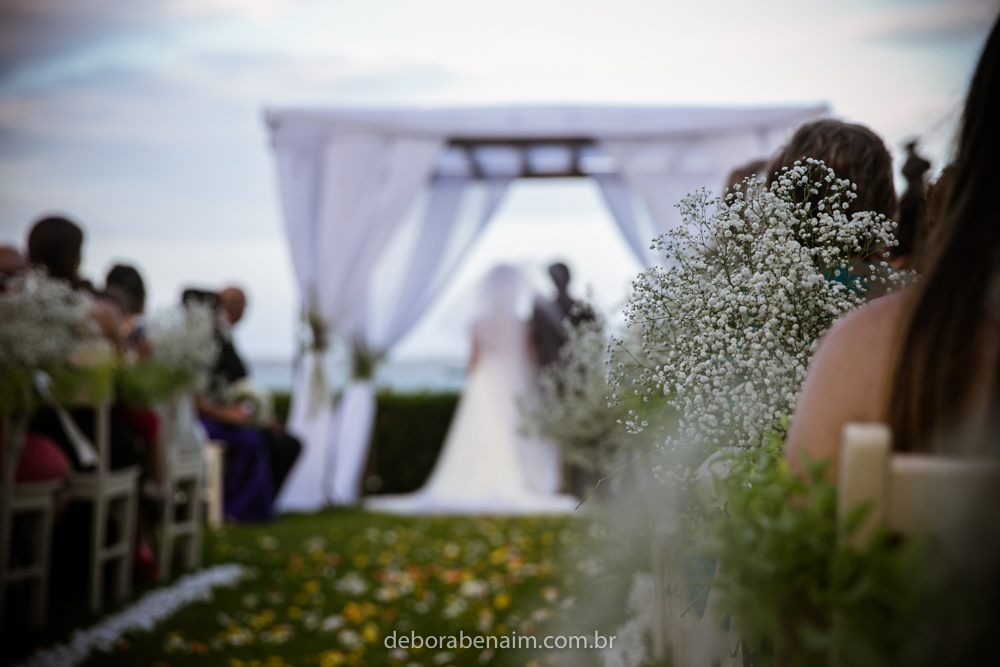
x: 171, y: 153
x: 935, y: 23
x: 252, y: 9
x: 33, y: 31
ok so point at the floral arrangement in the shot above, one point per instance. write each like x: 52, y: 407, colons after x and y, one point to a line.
x: 255, y: 399
x: 43, y: 323
x: 183, y: 338
x: 182, y: 350
x: 42, y: 320
x: 571, y: 406
x: 753, y: 281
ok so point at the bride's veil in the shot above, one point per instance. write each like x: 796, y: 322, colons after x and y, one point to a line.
x: 504, y: 292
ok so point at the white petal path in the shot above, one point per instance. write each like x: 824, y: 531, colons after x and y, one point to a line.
x: 144, y: 614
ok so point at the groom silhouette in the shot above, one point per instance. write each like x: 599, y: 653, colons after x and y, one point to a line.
x: 548, y: 328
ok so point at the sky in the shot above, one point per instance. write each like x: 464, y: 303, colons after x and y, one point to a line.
x: 142, y: 119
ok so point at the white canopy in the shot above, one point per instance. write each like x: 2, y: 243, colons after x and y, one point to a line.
x: 349, y: 176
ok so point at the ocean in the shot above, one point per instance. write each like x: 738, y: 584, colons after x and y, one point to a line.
x: 398, y: 376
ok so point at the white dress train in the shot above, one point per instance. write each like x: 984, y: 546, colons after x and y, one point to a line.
x: 486, y: 465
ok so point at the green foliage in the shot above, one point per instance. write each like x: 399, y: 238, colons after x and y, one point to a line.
x: 282, y: 404
x: 16, y: 392
x: 150, y: 383
x: 84, y: 385
x: 409, y: 431
x: 799, y: 595
x: 69, y: 385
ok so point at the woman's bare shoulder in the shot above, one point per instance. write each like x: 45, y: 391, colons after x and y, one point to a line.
x: 863, y: 330
x: 849, y: 377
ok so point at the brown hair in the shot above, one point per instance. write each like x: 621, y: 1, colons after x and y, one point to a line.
x: 124, y: 285
x: 953, y: 316
x: 55, y: 243
x: 853, y: 152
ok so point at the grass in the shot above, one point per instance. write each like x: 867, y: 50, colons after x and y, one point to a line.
x: 326, y: 589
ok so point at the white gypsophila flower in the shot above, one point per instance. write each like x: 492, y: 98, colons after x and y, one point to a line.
x: 572, y: 408
x: 183, y: 338
x: 753, y: 282
x: 42, y: 320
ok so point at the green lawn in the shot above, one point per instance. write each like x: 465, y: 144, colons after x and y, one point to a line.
x: 326, y: 589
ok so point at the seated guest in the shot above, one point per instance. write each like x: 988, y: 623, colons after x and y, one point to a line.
x: 56, y: 244
x: 125, y: 286
x: 257, y: 459
x: 853, y: 152
x: 925, y: 361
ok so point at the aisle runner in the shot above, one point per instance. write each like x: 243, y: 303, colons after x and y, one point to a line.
x: 151, y: 608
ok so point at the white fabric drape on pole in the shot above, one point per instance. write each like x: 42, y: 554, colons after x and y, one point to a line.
x: 344, y: 194
x: 369, y: 183
x: 311, y: 420
x: 618, y: 197
x: 426, y: 274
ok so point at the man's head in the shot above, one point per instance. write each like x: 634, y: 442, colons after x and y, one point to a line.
x: 853, y: 152
x: 560, y: 276
x: 233, y: 302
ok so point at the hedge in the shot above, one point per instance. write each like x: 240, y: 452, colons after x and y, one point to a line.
x: 409, y: 431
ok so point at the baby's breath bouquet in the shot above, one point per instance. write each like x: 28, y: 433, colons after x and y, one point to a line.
x: 43, y: 321
x: 182, y: 350
x: 752, y: 283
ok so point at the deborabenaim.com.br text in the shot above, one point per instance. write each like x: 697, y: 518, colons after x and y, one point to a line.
x: 513, y: 640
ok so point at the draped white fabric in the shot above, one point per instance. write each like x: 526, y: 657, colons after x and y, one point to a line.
x: 369, y: 182
x: 431, y: 265
x: 618, y: 197
x: 665, y: 170
x: 348, y: 177
x: 311, y: 420
x: 427, y: 272
x: 354, y: 423
x: 343, y: 194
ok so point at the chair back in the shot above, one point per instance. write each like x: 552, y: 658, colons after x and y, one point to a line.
x: 12, y: 440
x: 181, y: 435
x: 951, y: 500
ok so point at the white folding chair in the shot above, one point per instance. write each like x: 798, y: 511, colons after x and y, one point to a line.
x: 181, y: 448
x: 214, y: 462
x: 691, y: 640
x: 35, y: 502
x: 951, y: 500
x: 112, y: 494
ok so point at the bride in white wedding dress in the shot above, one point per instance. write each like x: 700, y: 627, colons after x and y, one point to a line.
x: 485, y: 464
